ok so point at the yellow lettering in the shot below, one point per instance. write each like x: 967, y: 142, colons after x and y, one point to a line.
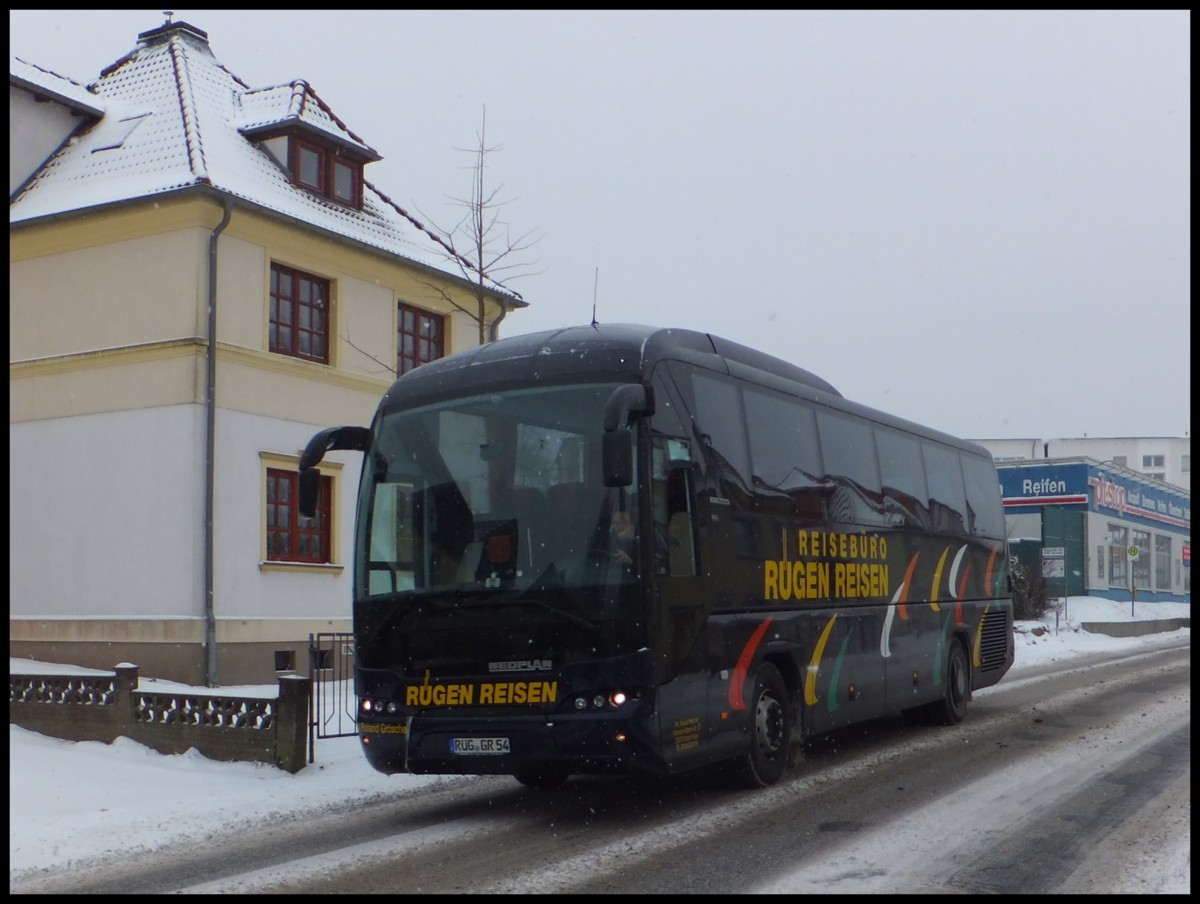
x: 771, y: 580
x: 802, y: 543
x: 490, y: 693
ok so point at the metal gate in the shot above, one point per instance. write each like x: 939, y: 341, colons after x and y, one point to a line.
x: 332, y: 708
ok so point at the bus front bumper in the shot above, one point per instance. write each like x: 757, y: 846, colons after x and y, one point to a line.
x: 460, y: 744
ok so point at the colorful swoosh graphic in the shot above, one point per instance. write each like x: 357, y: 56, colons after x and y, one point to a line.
x: 737, y: 682
x: 831, y: 703
x: 902, y: 610
x: 814, y: 664
x: 937, y: 580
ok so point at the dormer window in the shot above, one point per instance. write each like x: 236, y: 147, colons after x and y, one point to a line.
x: 325, y: 171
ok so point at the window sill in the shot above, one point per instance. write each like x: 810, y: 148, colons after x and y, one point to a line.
x: 311, y: 567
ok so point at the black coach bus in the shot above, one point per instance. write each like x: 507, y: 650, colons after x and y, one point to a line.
x: 625, y: 548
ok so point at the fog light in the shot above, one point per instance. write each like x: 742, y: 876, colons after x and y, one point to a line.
x: 618, y: 698
x: 598, y: 701
x: 366, y: 705
x: 580, y: 703
x: 392, y: 707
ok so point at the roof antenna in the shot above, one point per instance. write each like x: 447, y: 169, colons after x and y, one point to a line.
x: 168, y: 13
x: 595, y: 291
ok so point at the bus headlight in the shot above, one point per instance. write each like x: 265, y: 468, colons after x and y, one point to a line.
x: 611, y: 700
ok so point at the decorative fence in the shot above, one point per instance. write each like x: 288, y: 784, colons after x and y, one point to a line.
x: 104, y: 707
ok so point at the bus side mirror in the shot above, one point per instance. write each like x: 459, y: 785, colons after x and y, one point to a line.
x: 325, y: 441
x: 310, y: 491
x: 616, y: 453
x: 617, y: 457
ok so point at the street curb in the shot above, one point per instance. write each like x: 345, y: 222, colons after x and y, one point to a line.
x: 1136, y: 628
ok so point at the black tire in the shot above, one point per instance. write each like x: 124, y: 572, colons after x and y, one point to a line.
x: 770, y: 731
x: 541, y: 779
x: 952, y: 708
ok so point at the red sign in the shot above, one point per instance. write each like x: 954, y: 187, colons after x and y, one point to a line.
x: 1187, y: 554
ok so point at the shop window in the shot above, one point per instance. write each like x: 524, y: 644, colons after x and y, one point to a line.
x: 1118, y: 556
x: 1141, y: 565
x: 1162, y: 562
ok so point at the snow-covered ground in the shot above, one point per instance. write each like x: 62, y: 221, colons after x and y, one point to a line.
x: 78, y: 800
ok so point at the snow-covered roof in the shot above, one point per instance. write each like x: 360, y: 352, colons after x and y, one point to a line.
x: 172, y: 118
x: 52, y: 86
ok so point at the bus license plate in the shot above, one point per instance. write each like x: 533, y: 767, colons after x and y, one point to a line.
x: 479, y: 746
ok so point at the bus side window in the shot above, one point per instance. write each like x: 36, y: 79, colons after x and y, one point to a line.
x: 947, y: 500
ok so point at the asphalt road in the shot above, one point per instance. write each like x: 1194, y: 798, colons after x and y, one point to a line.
x: 1070, y: 780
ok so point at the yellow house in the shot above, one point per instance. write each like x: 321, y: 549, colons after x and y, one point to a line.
x: 153, y: 472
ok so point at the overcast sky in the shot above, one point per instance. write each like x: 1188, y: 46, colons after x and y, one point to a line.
x: 976, y: 220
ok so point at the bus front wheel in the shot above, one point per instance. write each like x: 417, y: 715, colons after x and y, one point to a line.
x: 770, y: 730
x: 952, y: 708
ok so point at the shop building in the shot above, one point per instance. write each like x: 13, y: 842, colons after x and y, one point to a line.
x: 1099, y: 529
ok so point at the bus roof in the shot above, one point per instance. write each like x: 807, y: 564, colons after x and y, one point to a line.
x: 611, y: 350
x: 618, y: 351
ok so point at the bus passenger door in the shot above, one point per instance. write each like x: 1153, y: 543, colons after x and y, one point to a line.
x: 675, y: 553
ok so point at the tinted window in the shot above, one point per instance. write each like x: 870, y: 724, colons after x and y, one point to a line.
x: 947, y: 502
x: 900, y: 467
x: 902, y: 475
x: 783, y: 441
x: 985, y: 509
x: 719, y: 416
x: 848, y: 449
x: 848, y: 455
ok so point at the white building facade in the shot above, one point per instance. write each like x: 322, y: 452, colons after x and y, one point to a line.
x: 200, y: 278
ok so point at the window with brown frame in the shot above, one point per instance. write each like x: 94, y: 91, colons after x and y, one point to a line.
x: 421, y: 338
x: 299, y: 314
x: 290, y: 536
x: 326, y: 172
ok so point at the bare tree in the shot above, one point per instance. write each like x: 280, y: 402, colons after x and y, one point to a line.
x: 481, y: 244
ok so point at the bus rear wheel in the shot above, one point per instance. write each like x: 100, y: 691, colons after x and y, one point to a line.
x: 770, y: 731
x: 952, y: 708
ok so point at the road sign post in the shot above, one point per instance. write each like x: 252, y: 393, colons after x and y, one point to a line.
x: 1054, y: 566
x: 1133, y: 554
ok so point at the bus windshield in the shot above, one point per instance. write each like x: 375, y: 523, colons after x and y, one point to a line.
x: 500, y: 491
